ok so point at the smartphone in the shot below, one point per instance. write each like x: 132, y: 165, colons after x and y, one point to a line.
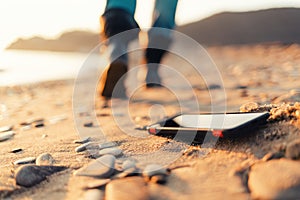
x: 218, y: 124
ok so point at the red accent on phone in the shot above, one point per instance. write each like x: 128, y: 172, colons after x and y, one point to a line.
x: 152, y: 130
x: 218, y: 133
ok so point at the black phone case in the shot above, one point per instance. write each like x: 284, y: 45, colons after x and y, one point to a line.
x: 168, y: 128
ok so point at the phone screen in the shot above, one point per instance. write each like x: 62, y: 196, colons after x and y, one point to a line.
x: 215, y: 121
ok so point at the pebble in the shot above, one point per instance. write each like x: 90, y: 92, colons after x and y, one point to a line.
x: 88, y: 145
x: 133, y: 188
x: 6, y: 128
x: 107, y: 145
x: 44, y: 159
x: 56, y: 119
x: 154, y: 169
x: 6, y: 135
x: 16, y: 150
x: 160, y: 179
x: 275, y: 179
x: 271, y: 156
x: 82, y: 141
x: 127, y: 164
x: 38, y: 123
x: 112, y: 151
x: 293, y: 150
x: 88, y: 124
x: 102, y: 167
x: 23, y: 161
x: 30, y: 175
x: 96, y: 184
x: 94, y: 194
x: 128, y: 172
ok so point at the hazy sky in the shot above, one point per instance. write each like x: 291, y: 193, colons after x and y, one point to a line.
x: 24, y: 18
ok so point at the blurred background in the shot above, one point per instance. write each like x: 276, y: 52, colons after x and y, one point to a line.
x: 57, y: 34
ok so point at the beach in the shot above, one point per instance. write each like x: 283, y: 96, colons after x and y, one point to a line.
x: 258, y: 77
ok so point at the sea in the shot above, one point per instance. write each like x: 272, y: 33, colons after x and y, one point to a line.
x: 22, y: 67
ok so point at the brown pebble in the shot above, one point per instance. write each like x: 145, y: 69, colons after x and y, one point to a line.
x: 293, y: 150
x: 160, y: 179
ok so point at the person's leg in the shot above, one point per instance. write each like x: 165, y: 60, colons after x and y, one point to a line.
x: 118, y: 17
x: 163, y: 17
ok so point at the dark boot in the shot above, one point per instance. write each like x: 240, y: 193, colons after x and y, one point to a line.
x: 115, y: 21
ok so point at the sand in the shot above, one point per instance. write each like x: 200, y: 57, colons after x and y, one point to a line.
x: 261, y: 74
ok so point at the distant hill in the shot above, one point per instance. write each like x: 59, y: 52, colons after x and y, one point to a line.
x: 79, y: 41
x: 272, y: 25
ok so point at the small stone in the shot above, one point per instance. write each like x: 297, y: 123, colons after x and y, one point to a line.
x: 133, y: 188
x: 127, y: 164
x: 16, y: 150
x: 102, y: 167
x: 107, y: 145
x: 128, y: 172
x: 6, y: 128
x: 23, y: 161
x: 6, y: 135
x: 44, y: 159
x: 293, y: 150
x: 275, y: 179
x: 112, y: 151
x: 160, y: 179
x: 82, y: 141
x: 94, y: 194
x: 88, y: 124
x: 39, y: 123
x: 44, y: 135
x: 154, y: 169
x: 271, y: 156
x: 25, y: 128
x: 96, y: 184
x: 214, y: 87
x: 56, y: 119
x: 89, y: 145
x: 30, y: 175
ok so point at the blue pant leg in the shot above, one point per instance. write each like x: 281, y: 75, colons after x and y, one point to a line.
x: 164, y: 13
x: 127, y: 5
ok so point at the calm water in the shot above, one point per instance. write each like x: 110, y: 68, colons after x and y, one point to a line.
x: 18, y: 67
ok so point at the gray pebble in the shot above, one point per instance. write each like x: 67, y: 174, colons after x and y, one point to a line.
x: 94, y: 194
x: 154, y: 169
x: 102, y: 167
x: 112, y: 151
x: 6, y: 135
x: 30, y: 175
x: 107, y: 145
x: 89, y: 145
x: 275, y: 179
x: 16, y: 150
x: 293, y: 150
x: 128, y: 172
x: 44, y: 159
x: 6, y: 128
x: 127, y: 164
x: 133, y: 188
x: 88, y: 124
x: 82, y: 141
x: 23, y: 161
